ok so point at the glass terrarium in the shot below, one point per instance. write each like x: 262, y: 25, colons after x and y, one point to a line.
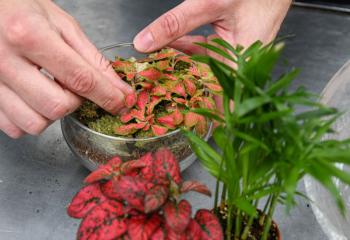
x: 336, y: 94
x: 94, y: 148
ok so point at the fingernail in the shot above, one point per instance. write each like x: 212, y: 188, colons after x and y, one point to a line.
x: 144, y: 41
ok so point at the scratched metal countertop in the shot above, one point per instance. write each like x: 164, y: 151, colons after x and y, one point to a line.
x: 39, y: 175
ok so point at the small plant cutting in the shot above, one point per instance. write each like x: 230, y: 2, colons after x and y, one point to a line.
x: 140, y: 200
x: 168, y: 85
x: 267, y: 141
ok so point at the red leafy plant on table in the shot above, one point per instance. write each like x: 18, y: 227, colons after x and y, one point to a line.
x: 140, y: 200
x: 168, y: 86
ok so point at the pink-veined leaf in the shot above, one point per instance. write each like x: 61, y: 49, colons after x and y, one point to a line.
x: 142, y: 100
x: 214, y: 87
x: 190, y: 86
x: 173, y: 235
x: 151, y: 74
x: 191, y: 119
x: 169, y: 77
x: 130, y: 128
x: 201, y: 126
x: 155, y: 100
x: 159, y: 130
x: 159, y: 91
x: 179, y: 89
x: 130, y: 100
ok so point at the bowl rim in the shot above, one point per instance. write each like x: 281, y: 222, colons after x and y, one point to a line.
x: 120, y: 138
x: 169, y: 134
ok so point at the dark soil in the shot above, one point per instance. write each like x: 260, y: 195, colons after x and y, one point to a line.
x: 256, y: 229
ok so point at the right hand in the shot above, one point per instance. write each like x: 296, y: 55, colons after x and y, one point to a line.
x: 37, y: 34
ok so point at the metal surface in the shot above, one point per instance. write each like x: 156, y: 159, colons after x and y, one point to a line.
x: 335, y: 94
x: 39, y: 175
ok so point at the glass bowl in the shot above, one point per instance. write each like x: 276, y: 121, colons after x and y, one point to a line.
x: 93, y: 148
x: 335, y: 226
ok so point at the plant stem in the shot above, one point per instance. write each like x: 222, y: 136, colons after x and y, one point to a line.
x: 269, y: 216
x: 249, y: 224
x: 229, y: 222
x: 216, y: 205
x: 262, y: 217
x: 238, y: 224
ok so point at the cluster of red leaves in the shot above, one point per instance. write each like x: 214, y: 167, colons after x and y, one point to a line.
x: 139, y: 200
x: 168, y: 85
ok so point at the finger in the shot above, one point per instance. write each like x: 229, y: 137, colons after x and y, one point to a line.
x: 19, y: 113
x: 186, y: 44
x: 47, y: 49
x: 75, y: 37
x: 177, y: 22
x: 9, y: 128
x: 42, y: 94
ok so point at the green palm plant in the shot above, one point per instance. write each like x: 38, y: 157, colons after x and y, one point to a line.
x: 265, y: 145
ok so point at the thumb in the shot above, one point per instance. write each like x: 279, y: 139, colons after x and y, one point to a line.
x: 177, y: 22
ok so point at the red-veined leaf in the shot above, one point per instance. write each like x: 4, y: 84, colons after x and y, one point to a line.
x: 85, y: 200
x: 143, y: 228
x: 155, y: 198
x: 177, y: 216
x: 195, y: 186
x: 210, y: 225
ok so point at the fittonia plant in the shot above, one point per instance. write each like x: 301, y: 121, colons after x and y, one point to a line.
x: 141, y: 200
x: 168, y: 86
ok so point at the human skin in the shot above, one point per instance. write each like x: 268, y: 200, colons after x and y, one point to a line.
x: 236, y: 21
x: 36, y: 34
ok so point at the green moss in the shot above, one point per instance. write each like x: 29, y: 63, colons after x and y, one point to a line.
x: 106, y: 124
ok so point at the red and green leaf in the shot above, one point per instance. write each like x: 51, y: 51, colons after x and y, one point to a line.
x: 159, y: 130
x: 103, y: 222
x: 165, y: 166
x: 177, y: 216
x: 129, y: 129
x: 179, y: 89
x: 191, y: 119
x: 190, y: 86
x: 143, y: 228
x: 132, y: 190
x: 210, y: 225
x: 130, y: 100
x: 142, y: 100
x: 85, y: 200
x: 151, y: 74
x: 159, y: 91
x: 155, y: 198
x: 159, y: 234
x: 188, y: 186
x: 194, y: 231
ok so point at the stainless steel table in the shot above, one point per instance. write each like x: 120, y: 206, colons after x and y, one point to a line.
x: 39, y: 175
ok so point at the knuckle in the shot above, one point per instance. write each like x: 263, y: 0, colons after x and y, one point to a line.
x: 35, y: 126
x: 102, y: 63
x: 172, y: 24
x: 82, y: 81
x: 20, y: 31
x: 112, y: 104
x: 57, y: 109
x: 13, y: 132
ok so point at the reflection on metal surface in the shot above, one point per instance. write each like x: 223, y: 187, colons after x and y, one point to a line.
x: 336, y: 227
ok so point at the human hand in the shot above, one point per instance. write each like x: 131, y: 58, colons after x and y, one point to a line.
x: 236, y: 21
x: 37, y: 34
